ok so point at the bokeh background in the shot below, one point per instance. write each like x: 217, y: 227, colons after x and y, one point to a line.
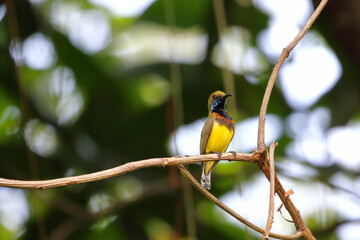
x: 87, y: 85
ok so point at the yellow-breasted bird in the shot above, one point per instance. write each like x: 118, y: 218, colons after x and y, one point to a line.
x: 216, y: 134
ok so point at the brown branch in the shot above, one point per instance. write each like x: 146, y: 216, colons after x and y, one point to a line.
x: 125, y: 168
x: 270, y: 219
x: 285, y: 54
x: 289, y: 205
x: 224, y: 207
x: 287, y: 194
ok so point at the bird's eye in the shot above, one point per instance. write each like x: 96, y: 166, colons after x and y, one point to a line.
x: 214, y: 96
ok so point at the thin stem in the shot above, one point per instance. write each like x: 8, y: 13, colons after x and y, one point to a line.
x: 24, y: 104
x: 228, y: 77
x: 224, y: 207
x: 178, y: 110
x: 270, y: 218
x: 175, y: 73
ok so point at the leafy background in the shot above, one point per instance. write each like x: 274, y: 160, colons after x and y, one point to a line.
x: 88, y: 85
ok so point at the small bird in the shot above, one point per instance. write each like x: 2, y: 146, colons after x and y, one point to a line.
x: 216, y: 134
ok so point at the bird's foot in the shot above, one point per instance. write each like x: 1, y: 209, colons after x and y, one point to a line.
x: 234, y: 154
x: 218, y: 153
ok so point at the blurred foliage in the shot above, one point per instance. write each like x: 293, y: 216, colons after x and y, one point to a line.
x: 126, y: 114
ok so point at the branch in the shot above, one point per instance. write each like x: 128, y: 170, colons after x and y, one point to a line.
x: 261, y: 147
x: 263, y: 164
x: 224, y: 207
x: 285, y: 54
x: 125, y: 168
x: 289, y: 205
x: 270, y: 219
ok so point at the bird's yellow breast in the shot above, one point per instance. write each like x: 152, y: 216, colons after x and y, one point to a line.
x: 219, y: 138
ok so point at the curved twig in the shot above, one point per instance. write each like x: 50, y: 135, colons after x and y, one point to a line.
x: 224, y: 207
x: 285, y: 54
x: 125, y: 168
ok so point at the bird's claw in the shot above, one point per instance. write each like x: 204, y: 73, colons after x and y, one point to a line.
x: 218, y: 153
x: 234, y: 154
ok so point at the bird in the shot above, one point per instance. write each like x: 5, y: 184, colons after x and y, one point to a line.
x: 216, y: 134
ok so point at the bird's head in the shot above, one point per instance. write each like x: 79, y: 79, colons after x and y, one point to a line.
x: 217, y: 101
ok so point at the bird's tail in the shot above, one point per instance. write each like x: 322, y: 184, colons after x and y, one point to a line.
x: 207, y: 169
x: 205, y: 179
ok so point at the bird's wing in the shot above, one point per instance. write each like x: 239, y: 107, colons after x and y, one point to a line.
x: 206, y: 131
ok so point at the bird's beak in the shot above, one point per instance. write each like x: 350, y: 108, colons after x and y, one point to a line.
x: 226, y: 96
